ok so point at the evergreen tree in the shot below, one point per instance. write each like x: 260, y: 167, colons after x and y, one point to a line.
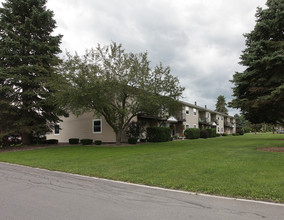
x: 27, y: 67
x: 239, y: 122
x: 221, y: 105
x: 259, y: 90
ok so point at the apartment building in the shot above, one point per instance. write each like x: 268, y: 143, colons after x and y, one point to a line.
x: 194, y: 116
x: 96, y: 128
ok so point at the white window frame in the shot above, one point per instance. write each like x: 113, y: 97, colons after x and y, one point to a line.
x: 194, y: 111
x: 194, y: 126
x: 187, y: 112
x: 97, y: 132
x: 57, y: 124
x: 218, y: 129
x: 187, y: 126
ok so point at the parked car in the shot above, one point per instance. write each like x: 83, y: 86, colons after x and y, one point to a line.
x: 280, y: 131
x: 11, y: 140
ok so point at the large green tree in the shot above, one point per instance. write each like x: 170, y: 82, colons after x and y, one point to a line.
x: 259, y: 89
x: 28, y: 57
x: 119, y: 86
x: 221, y: 104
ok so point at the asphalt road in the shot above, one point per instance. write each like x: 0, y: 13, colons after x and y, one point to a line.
x: 28, y: 193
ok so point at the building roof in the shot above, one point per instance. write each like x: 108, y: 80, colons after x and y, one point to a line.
x: 205, y: 109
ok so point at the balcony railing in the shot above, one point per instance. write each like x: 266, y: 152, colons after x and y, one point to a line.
x: 215, y: 122
x: 204, y: 121
x: 228, y: 124
x: 180, y: 116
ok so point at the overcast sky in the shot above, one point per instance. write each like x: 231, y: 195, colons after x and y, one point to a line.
x: 201, y: 40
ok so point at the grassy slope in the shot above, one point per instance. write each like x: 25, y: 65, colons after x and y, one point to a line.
x: 228, y: 166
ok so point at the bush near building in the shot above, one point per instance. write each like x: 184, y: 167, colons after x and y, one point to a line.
x: 74, y: 141
x: 158, y: 134
x: 132, y: 140
x: 204, y: 133
x: 98, y: 142
x: 211, y: 132
x: 86, y: 141
x: 51, y: 141
x: 192, y: 133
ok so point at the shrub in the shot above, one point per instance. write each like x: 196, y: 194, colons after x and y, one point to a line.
x: 134, y: 129
x: 211, y: 132
x: 175, y: 136
x: 74, y: 141
x: 235, y: 134
x: 247, y: 130
x: 214, y: 133
x: 143, y: 140
x: 218, y: 135
x: 224, y: 134
x: 158, y: 134
x: 192, y: 133
x: 132, y: 140
x: 240, y: 131
x: 204, y: 133
x: 38, y: 138
x: 98, y: 142
x: 51, y: 141
x: 86, y: 141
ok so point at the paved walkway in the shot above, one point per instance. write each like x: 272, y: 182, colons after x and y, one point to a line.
x: 29, y: 193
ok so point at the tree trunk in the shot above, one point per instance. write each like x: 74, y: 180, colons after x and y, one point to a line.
x: 118, y: 137
x: 26, y: 138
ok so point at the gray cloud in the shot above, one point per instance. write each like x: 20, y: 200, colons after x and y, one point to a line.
x: 200, y: 40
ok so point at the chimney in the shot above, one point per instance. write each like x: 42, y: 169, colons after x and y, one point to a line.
x: 195, y: 103
x: 205, y: 106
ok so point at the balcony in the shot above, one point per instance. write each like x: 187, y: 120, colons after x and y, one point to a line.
x: 228, y: 124
x: 215, y: 122
x: 180, y: 116
x: 204, y: 121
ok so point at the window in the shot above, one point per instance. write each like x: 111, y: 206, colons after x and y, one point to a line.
x: 222, y: 130
x: 97, y: 126
x: 187, y: 110
x: 218, y: 129
x: 187, y: 126
x: 56, y: 129
x: 194, y: 111
x: 194, y: 126
x: 222, y: 118
x: 218, y: 118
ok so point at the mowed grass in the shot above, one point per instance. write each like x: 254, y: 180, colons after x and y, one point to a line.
x: 227, y: 166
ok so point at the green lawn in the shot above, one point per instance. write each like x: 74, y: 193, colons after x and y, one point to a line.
x: 227, y: 166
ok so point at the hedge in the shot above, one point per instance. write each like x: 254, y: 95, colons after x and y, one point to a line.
x: 51, y: 141
x: 86, y: 141
x: 192, y: 133
x: 74, y: 141
x: 204, y: 133
x: 98, y: 142
x: 211, y: 132
x: 132, y: 140
x: 158, y: 134
x: 240, y: 131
